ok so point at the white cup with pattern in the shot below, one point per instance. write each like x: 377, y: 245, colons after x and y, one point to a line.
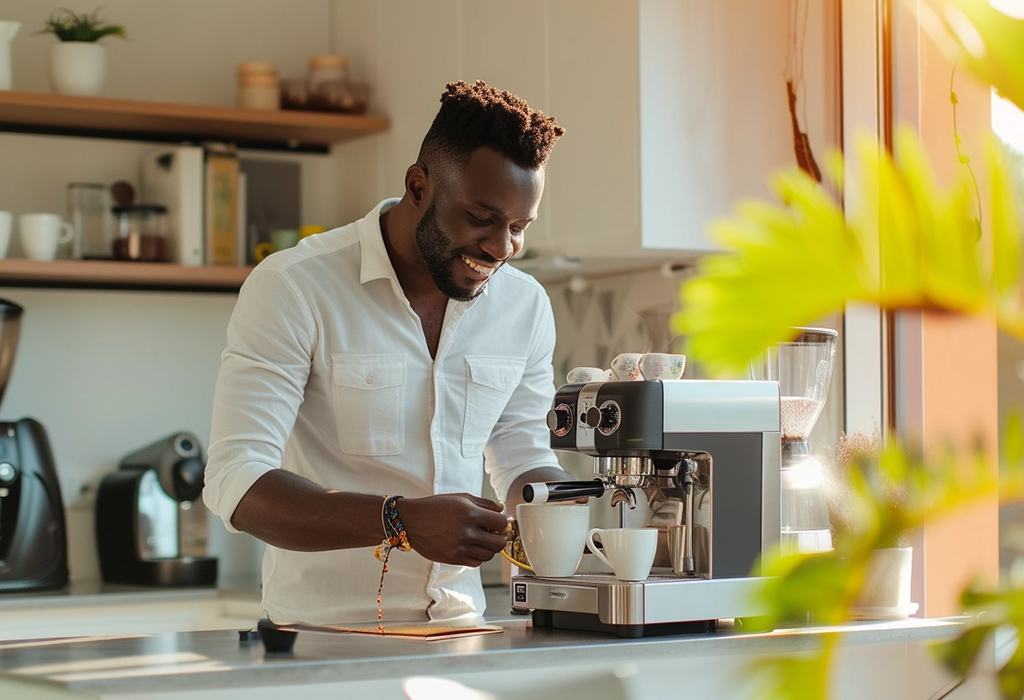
x: 626, y: 367
x: 659, y: 365
x: 584, y: 375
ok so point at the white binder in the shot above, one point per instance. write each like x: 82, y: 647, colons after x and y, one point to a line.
x: 173, y: 176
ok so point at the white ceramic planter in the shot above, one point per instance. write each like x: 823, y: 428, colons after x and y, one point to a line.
x: 886, y: 592
x: 78, y: 67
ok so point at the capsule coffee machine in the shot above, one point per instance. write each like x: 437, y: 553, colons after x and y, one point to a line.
x: 699, y: 460
x: 142, y: 513
x: 33, y: 538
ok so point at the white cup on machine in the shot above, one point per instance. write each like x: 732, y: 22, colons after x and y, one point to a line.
x: 42, y: 234
x: 629, y: 551
x: 6, y: 219
x: 554, y: 536
x: 585, y: 375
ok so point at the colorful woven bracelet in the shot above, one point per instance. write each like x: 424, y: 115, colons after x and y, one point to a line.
x: 394, y: 531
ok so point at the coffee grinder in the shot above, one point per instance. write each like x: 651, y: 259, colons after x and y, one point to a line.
x: 144, y: 532
x: 699, y: 460
x: 33, y: 537
x: 803, y: 369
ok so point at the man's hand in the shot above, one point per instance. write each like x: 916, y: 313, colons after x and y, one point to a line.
x: 454, y: 528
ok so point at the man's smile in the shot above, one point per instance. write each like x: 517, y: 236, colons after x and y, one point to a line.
x: 480, y: 268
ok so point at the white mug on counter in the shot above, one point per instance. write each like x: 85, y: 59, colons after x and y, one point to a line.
x: 6, y: 219
x: 41, y: 234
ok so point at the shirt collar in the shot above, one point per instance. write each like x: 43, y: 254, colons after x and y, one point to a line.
x: 375, y: 262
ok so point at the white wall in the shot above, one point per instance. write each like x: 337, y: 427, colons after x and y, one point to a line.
x: 107, y: 372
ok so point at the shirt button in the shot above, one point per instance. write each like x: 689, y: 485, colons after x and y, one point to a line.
x: 369, y: 379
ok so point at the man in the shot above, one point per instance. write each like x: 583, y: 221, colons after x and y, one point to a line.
x: 395, y: 356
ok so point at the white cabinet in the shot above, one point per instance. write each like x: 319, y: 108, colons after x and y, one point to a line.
x: 674, y: 109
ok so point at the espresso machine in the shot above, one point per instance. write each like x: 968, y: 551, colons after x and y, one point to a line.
x: 699, y: 460
x: 150, y: 523
x: 33, y: 538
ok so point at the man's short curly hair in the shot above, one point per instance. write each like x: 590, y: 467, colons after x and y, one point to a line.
x: 476, y: 115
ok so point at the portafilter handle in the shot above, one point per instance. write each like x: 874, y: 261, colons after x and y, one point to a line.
x: 563, y: 490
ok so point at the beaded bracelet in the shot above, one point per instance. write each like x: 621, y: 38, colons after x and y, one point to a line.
x: 394, y: 538
x: 394, y: 530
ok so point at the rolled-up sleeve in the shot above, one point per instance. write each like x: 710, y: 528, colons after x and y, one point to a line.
x: 264, y: 367
x: 519, y: 441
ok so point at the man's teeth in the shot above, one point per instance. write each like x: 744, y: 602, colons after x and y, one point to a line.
x: 483, y: 269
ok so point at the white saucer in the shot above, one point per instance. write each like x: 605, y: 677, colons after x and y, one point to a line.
x: 900, y: 612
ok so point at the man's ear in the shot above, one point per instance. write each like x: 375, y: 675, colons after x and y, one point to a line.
x: 417, y: 185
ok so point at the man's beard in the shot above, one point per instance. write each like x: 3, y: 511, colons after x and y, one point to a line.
x: 436, y: 248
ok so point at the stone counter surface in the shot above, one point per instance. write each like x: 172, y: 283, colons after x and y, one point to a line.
x: 215, y: 663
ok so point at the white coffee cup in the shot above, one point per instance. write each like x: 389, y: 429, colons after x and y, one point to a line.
x: 583, y: 375
x: 42, y: 234
x: 659, y: 365
x: 628, y: 551
x: 554, y: 536
x: 6, y: 219
x: 626, y: 366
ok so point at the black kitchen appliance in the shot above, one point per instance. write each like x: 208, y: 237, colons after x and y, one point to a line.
x: 145, y: 524
x: 33, y: 539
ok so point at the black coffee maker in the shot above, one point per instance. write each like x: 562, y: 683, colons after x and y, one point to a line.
x: 33, y: 539
x: 145, y: 519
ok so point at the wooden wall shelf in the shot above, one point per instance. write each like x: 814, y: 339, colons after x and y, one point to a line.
x: 103, y: 274
x: 68, y: 115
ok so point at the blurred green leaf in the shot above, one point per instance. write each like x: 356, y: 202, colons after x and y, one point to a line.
x: 792, y: 677
x: 907, y: 243
x: 989, y: 42
x: 958, y: 654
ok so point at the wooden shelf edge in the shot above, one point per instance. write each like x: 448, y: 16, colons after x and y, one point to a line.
x: 103, y: 274
x: 121, y: 118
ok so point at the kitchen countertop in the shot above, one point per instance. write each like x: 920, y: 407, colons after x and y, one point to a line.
x: 213, y: 660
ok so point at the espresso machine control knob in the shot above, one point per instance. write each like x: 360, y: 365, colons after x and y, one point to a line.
x: 605, y: 419
x: 560, y: 420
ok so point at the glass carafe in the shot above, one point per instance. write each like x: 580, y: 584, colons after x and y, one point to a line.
x: 803, y: 369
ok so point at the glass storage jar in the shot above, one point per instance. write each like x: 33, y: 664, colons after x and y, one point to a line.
x: 89, y: 212
x: 142, y: 232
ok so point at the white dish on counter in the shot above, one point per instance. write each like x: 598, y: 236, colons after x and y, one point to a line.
x: 899, y: 612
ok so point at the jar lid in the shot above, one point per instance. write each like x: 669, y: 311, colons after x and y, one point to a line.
x: 257, y: 67
x: 139, y: 209
x: 327, y: 61
x: 257, y: 79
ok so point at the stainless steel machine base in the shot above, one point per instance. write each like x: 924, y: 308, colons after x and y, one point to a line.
x: 663, y: 604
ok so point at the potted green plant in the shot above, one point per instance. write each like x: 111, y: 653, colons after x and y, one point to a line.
x: 905, y: 243
x: 78, y: 63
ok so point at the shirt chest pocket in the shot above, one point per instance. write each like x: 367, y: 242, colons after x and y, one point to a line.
x: 491, y: 381
x: 369, y: 403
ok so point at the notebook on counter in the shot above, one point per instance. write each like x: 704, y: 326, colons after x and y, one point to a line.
x: 426, y: 632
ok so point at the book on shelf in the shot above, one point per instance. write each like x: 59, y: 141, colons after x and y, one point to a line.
x: 221, y: 205
x: 241, y: 257
x: 273, y: 200
x: 174, y: 177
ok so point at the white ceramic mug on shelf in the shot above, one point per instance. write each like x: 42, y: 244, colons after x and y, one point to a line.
x: 554, y: 536
x: 6, y: 219
x: 628, y: 551
x: 42, y: 234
